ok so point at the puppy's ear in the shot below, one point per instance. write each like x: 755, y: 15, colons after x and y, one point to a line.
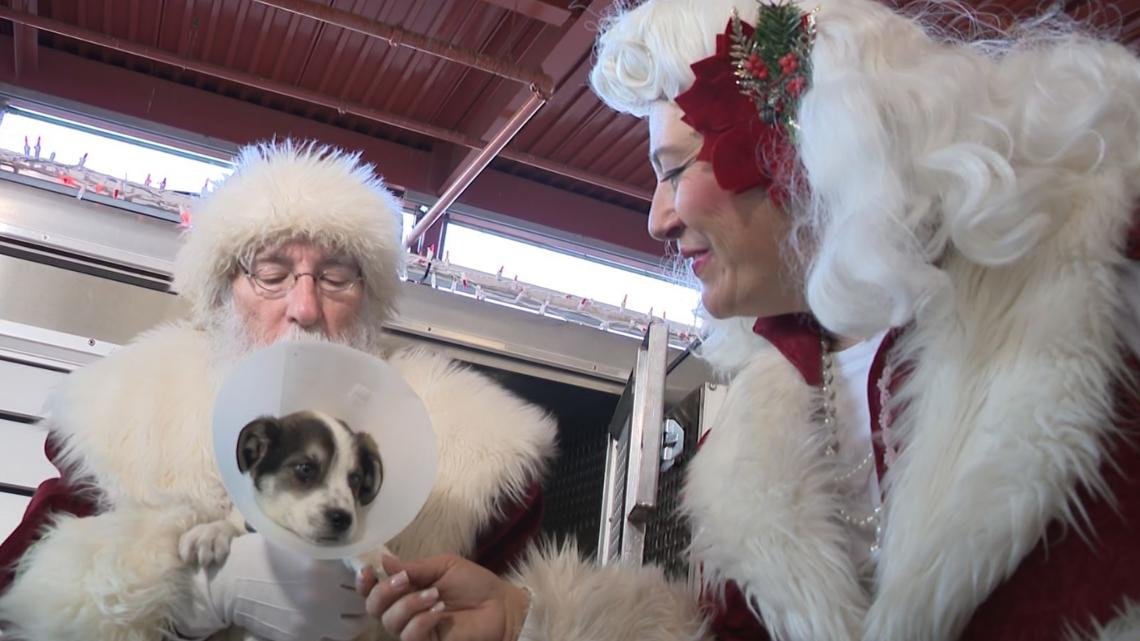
x: 255, y: 440
x: 371, y: 470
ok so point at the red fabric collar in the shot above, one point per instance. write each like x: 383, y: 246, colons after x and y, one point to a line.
x: 797, y: 338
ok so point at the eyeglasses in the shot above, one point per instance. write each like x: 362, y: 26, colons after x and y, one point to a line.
x: 274, y: 281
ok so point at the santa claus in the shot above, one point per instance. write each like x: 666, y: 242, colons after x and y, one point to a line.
x: 300, y: 241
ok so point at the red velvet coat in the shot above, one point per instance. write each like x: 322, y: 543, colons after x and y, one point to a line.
x: 1067, y: 578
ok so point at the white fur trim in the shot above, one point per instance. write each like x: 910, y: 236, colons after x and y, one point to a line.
x: 729, y: 344
x: 138, y: 424
x: 772, y: 529
x: 576, y: 600
x: 1008, y: 408
x: 289, y: 190
x: 492, y: 447
x: 1125, y: 626
x: 112, y: 577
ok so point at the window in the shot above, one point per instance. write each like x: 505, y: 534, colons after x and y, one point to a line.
x: 123, y: 156
x: 563, y: 272
x: 409, y: 219
x: 108, y: 152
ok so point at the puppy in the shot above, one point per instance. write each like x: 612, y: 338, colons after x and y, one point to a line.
x: 312, y: 475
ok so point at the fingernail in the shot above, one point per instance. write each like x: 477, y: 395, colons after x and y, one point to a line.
x: 430, y: 594
x: 438, y: 607
x: 400, y: 580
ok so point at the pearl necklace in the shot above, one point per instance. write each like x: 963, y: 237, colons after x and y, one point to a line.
x: 868, y: 522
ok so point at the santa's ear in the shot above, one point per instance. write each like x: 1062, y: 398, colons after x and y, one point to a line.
x: 254, y: 441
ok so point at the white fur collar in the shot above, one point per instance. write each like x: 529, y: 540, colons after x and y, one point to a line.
x: 1008, y: 410
x: 759, y: 497
x: 1009, y: 407
x: 137, y: 423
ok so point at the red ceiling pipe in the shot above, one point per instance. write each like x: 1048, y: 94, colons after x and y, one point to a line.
x: 25, y: 54
x: 536, y: 9
x: 577, y: 174
x: 403, y: 38
x: 471, y: 169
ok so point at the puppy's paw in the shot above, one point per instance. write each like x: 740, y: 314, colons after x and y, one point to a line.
x: 370, y: 559
x: 207, y: 543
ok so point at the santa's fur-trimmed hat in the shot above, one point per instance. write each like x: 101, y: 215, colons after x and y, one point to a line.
x: 284, y: 191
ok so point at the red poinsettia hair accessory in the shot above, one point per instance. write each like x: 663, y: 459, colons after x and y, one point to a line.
x: 744, y: 98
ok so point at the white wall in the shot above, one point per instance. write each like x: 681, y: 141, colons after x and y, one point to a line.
x: 23, y: 466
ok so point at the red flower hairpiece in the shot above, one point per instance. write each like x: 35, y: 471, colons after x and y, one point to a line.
x: 744, y: 99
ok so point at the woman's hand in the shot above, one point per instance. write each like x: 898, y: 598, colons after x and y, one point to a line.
x: 443, y: 598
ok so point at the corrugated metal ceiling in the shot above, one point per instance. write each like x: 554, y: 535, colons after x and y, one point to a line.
x: 573, y: 143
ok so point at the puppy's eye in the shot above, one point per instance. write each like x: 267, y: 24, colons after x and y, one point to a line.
x: 354, y: 480
x: 305, y: 471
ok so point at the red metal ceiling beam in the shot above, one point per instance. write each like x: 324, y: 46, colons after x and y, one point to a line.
x: 497, y: 101
x: 404, y: 38
x: 471, y: 169
x: 25, y: 40
x: 562, y: 57
x: 574, y: 173
x: 577, y: 174
x: 535, y: 9
x: 577, y: 42
x: 314, y: 97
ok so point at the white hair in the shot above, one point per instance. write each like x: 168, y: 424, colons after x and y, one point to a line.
x: 233, y: 338
x: 913, y: 145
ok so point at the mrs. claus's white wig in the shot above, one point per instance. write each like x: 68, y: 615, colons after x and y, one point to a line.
x: 914, y: 146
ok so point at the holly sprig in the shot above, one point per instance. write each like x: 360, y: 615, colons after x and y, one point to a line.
x: 773, y: 63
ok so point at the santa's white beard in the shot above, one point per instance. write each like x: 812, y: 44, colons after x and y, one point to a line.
x: 234, y: 338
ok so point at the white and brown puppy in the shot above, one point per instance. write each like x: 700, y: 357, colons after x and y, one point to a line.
x: 312, y: 475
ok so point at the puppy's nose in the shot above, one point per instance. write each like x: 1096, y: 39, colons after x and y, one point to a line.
x: 340, y: 520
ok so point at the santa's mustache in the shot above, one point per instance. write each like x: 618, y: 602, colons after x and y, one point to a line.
x: 236, y: 338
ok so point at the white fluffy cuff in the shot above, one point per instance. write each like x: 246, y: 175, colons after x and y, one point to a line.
x: 573, y: 599
x: 112, y: 577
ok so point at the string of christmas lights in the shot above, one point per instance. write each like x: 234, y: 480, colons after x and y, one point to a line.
x: 88, y: 181
x: 438, y: 272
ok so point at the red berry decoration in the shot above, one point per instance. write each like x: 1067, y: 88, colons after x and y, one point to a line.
x: 789, y: 64
x: 755, y: 67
